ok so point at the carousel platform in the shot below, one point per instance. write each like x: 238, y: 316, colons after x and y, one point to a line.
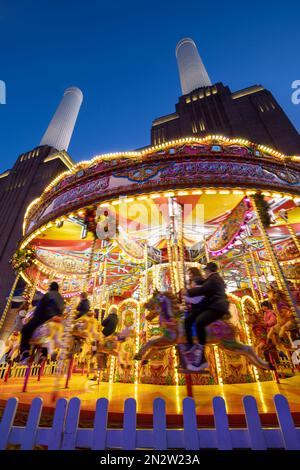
x: 117, y: 393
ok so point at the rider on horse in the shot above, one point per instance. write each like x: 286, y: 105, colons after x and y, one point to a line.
x: 213, y: 307
x: 51, y: 306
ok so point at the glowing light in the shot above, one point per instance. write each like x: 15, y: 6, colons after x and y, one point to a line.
x: 218, y: 364
x: 183, y: 193
x: 175, y: 365
x: 248, y: 334
x: 197, y: 191
x: 224, y: 191
x: 112, y: 369
x: 29, y: 207
x: 262, y: 397
x: 237, y: 191
x: 210, y: 191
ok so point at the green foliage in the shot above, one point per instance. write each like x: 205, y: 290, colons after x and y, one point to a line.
x: 263, y: 209
x: 169, y: 380
x: 22, y: 259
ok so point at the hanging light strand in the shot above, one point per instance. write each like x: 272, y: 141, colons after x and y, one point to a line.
x: 9, y: 300
x: 279, y: 275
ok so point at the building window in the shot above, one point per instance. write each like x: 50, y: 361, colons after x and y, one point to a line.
x: 201, y: 126
x: 194, y: 127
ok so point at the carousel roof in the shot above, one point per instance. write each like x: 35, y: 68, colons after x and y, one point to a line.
x: 209, y: 178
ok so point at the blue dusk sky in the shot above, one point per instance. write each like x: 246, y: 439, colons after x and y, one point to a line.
x: 122, y: 56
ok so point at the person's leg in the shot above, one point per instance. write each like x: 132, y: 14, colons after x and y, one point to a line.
x: 26, y: 334
x: 25, y: 337
x: 188, y: 324
x: 206, y: 317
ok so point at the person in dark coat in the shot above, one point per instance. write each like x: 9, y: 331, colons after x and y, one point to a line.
x: 83, y: 306
x: 215, y: 306
x: 110, y: 323
x: 51, y: 306
x: 96, y: 313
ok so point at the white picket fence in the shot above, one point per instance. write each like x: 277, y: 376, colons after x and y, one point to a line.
x: 66, y: 435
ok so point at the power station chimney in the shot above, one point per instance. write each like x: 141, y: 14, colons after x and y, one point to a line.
x: 60, y: 129
x: 191, y: 69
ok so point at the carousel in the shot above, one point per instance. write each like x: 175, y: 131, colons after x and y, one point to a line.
x: 125, y: 228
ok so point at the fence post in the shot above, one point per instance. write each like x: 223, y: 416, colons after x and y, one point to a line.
x: 30, y: 431
x: 256, y: 435
x: 129, y: 425
x: 41, y: 369
x: 191, y: 441
x: 70, y: 432
x: 100, y: 425
x: 7, y: 421
x: 27, y: 374
x: 221, y: 424
x: 159, y: 425
x: 58, y: 424
x: 7, y: 373
x: 286, y: 423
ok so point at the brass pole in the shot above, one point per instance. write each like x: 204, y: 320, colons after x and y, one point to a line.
x: 9, y: 300
x: 278, y: 271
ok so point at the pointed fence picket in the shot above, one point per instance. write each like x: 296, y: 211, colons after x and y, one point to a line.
x: 65, y: 434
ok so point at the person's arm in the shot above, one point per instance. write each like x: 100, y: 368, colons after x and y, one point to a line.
x: 207, y: 289
x: 193, y: 300
x: 83, y: 307
x: 80, y: 310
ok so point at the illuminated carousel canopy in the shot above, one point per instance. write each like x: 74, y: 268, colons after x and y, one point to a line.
x: 211, y: 178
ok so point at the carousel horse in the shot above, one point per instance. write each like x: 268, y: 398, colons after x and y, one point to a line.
x: 285, y: 319
x: 49, y: 336
x: 285, y: 324
x: 92, y: 346
x: 220, y: 332
x: 85, y: 331
x: 259, y: 330
x: 12, y: 347
x: 110, y: 346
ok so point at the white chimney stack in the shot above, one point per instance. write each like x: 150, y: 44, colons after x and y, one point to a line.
x: 191, y: 69
x: 60, y: 129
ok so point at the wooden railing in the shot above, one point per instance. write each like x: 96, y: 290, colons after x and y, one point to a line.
x: 17, y: 370
x: 66, y: 435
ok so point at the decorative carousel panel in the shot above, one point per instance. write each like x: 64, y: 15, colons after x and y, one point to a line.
x: 176, y: 166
